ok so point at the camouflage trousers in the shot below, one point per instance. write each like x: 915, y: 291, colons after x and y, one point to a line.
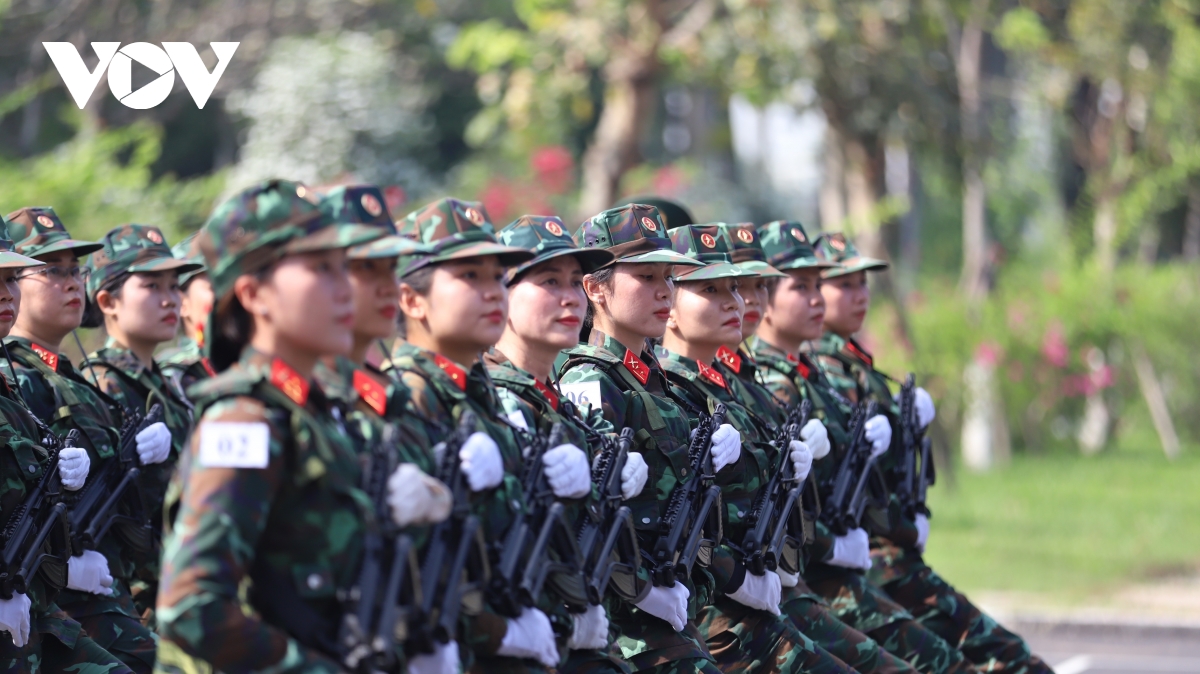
x: 949, y: 614
x: 868, y: 609
x: 56, y: 644
x: 172, y: 660
x: 607, y: 661
x: 749, y: 641
x: 813, y: 618
x: 114, y: 624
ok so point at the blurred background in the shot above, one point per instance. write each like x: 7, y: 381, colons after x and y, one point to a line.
x: 1031, y: 168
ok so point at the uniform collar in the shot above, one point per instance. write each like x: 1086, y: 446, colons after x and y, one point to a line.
x: 496, y: 358
x: 706, y: 373
x: 56, y: 361
x: 121, y: 358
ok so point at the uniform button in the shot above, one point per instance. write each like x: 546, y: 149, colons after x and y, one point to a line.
x: 741, y: 513
x: 683, y: 471
x: 314, y: 581
x: 32, y: 468
x: 645, y: 520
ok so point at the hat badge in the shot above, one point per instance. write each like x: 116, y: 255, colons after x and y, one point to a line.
x: 837, y: 243
x: 649, y: 224
x: 799, y: 235
x: 473, y: 215
x: 708, y: 240
x: 745, y: 236
x: 554, y: 228
x: 306, y: 194
x: 154, y: 236
x: 371, y: 205
x: 45, y: 221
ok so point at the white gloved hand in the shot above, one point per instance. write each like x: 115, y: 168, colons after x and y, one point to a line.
x: 633, y: 475
x: 89, y: 573
x: 481, y: 462
x: 591, y: 629
x: 530, y: 636
x: 879, y: 434
x: 668, y: 603
x: 761, y: 592
x: 417, y: 498
x: 566, y: 469
x: 153, y: 444
x: 922, y: 531
x: 788, y: 579
x: 801, y: 457
x: 73, y: 466
x: 14, y: 618
x: 852, y: 551
x: 726, y: 447
x: 924, y: 404
x: 443, y: 660
x: 816, y: 436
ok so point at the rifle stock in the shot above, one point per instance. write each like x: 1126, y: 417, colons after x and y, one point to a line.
x: 607, y: 540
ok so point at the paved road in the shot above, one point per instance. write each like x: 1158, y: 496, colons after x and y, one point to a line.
x: 1104, y: 648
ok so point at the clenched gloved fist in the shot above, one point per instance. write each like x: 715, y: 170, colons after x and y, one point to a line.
x: 73, y: 466
x: 801, y: 457
x: 852, y: 551
x: 922, y: 531
x: 761, y: 592
x: 14, y: 618
x: 924, y: 404
x: 726, y: 447
x: 153, y: 444
x: 668, y: 603
x: 633, y: 475
x: 879, y: 434
x: 417, y: 498
x: 89, y: 573
x: 530, y: 636
x: 591, y: 629
x: 788, y: 579
x: 816, y: 436
x: 443, y: 660
x: 481, y: 462
x: 566, y: 469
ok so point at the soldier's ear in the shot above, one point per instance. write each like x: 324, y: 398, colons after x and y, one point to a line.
x: 413, y: 304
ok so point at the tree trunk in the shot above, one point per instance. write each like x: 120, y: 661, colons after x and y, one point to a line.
x: 832, y: 200
x: 1191, y: 234
x: 862, y: 199
x: 1104, y: 231
x: 968, y: 69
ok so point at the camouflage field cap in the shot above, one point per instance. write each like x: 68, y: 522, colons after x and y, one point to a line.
x: 189, y: 250
x: 672, y: 213
x: 132, y: 249
x: 261, y: 224
x: 36, y: 231
x: 547, y: 238
x: 632, y: 233
x: 365, y: 205
x: 746, y: 251
x: 10, y: 259
x: 787, y: 246
x: 455, y: 230
x: 836, y: 248
x: 705, y: 244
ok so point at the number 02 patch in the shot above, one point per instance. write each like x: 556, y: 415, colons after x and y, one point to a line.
x: 234, y: 444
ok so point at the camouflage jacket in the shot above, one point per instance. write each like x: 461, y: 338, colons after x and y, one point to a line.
x: 289, y: 515
x: 184, y: 363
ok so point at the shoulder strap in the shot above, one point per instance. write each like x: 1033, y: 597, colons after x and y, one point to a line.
x: 613, y: 367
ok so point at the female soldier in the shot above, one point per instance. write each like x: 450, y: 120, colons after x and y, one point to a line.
x: 899, y: 568
x: 270, y: 482
x: 629, y: 302
x: 30, y: 617
x: 184, y: 363
x: 53, y: 299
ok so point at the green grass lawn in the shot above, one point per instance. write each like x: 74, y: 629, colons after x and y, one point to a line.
x: 1069, y: 527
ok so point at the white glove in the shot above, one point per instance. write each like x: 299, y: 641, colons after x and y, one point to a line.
x: 924, y: 405
x: 14, y: 618
x: 154, y: 444
x: 566, y: 469
x: 788, y: 579
x: 761, y: 592
x: 73, y: 465
x: 443, y: 660
x: 879, y: 434
x: 417, y: 498
x: 726, y: 447
x: 816, y: 436
x: 852, y: 551
x: 668, y: 603
x: 801, y: 458
x: 633, y: 475
x: 530, y: 636
x: 922, y: 531
x: 89, y: 573
x: 591, y: 629
x: 481, y: 462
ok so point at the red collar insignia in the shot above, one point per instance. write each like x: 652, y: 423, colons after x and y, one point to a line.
x: 802, y: 368
x: 207, y: 364
x: 289, y: 381
x: 857, y: 351
x: 456, y: 373
x: 372, y: 392
x: 637, y: 367
x: 793, y: 358
x: 549, y: 393
x: 711, y: 375
x: 732, y: 360
x: 48, y: 357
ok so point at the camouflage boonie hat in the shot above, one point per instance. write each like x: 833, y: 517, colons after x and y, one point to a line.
x: 745, y: 249
x: 705, y: 244
x: 132, y: 249
x: 672, y: 213
x: 547, y: 238
x: 10, y: 259
x: 259, y: 225
x: 787, y: 246
x: 190, y: 251
x: 36, y: 230
x: 455, y: 230
x: 836, y: 248
x: 365, y: 205
x: 632, y: 233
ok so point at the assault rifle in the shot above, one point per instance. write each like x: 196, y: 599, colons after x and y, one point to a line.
x: 693, y: 510
x: 767, y: 531
x: 99, y: 506
x: 456, y: 549
x: 915, y: 472
x: 849, y: 490
x: 40, y: 518
x: 607, y: 541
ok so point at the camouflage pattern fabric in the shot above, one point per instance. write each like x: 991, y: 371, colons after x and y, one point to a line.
x: 452, y: 229
x: 838, y: 249
x: 46, y: 653
x: 705, y: 244
x: 37, y: 231
x: 746, y: 250
x: 183, y: 364
x: 787, y: 246
x: 546, y: 237
x: 750, y: 641
x: 188, y: 250
x: 811, y: 615
x: 129, y: 249
x: 632, y: 233
x: 366, y: 205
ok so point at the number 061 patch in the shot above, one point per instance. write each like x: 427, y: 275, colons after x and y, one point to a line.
x: 234, y: 444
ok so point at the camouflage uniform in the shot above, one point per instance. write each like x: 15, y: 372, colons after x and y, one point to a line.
x: 57, y: 393
x: 631, y: 390
x: 184, y: 362
x: 792, y: 378
x: 294, y: 525
x: 899, y: 568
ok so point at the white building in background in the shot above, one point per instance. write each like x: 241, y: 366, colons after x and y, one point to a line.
x: 779, y: 153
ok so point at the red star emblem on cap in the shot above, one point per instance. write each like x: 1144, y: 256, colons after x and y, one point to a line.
x: 708, y: 240
x: 289, y: 381
x: 649, y: 224
x: 636, y: 367
x: 745, y: 236
x: 452, y: 370
x: 711, y: 375
x: 372, y: 392
x: 731, y: 359
x: 371, y: 205
x: 554, y: 228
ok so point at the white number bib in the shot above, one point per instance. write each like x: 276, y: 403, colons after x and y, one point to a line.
x: 234, y: 444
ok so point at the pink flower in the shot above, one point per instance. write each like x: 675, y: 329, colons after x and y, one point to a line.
x: 553, y: 165
x: 497, y: 198
x: 1054, y: 347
